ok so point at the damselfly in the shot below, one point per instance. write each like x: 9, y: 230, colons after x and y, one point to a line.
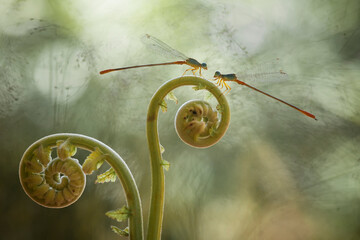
x: 221, y: 80
x: 161, y: 46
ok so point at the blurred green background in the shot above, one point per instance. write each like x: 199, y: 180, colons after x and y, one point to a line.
x: 276, y: 174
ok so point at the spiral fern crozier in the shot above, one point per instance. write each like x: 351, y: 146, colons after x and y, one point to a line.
x: 195, y: 122
x: 51, y: 183
x: 197, y: 125
x: 59, y: 182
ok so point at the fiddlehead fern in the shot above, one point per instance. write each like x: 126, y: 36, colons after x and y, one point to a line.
x: 196, y: 124
x: 51, y: 183
x: 57, y: 183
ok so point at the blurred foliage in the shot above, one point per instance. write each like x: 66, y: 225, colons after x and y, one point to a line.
x: 275, y: 175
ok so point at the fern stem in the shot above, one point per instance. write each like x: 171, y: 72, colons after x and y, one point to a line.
x: 115, y: 161
x: 158, y: 178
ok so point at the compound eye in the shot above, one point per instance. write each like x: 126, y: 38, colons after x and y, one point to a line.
x: 217, y: 73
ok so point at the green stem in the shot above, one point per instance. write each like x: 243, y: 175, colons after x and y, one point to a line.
x: 158, y: 178
x: 117, y: 163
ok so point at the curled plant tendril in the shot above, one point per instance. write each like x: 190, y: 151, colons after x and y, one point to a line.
x: 195, y: 122
x: 59, y: 182
x: 51, y: 183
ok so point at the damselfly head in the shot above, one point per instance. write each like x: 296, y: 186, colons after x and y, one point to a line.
x: 204, y: 66
x: 217, y: 74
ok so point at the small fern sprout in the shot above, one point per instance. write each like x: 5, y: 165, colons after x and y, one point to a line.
x: 195, y: 123
x: 59, y: 182
x: 52, y: 183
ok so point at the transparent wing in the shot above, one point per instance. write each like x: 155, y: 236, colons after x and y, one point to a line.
x: 268, y: 72
x: 161, y: 48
